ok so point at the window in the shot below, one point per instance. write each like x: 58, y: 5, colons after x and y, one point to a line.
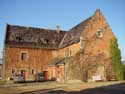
x: 33, y: 71
x: 24, y: 56
x: 18, y: 39
x: 99, y: 33
x: 22, y: 72
x: 68, y: 53
x: 13, y: 71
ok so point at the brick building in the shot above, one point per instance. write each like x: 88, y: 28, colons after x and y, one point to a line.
x: 30, y: 50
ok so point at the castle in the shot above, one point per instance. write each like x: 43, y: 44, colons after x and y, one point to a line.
x: 30, y: 50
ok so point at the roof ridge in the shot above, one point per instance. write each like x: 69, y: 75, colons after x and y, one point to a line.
x: 21, y: 26
x: 43, y: 38
x: 81, y: 22
x: 72, y: 36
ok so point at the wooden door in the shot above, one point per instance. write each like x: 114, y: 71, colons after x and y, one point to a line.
x: 45, y: 73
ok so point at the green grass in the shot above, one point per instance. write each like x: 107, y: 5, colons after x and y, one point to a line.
x: 2, y: 82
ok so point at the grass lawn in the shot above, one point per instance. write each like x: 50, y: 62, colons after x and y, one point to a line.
x: 2, y: 82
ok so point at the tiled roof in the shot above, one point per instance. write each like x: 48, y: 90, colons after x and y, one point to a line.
x: 73, y: 36
x: 30, y: 37
x: 19, y: 36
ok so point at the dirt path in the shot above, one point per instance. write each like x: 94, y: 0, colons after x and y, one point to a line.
x: 67, y: 88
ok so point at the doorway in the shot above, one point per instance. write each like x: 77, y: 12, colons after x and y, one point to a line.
x: 45, y: 73
x: 23, y: 73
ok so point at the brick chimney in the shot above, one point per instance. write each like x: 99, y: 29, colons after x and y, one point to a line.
x: 57, y: 29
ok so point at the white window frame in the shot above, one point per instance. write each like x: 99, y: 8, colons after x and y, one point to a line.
x: 101, y: 33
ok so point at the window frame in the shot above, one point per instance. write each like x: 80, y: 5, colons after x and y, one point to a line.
x: 99, y: 33
x: 32, y: 71
x: 68, y: 52
x: 27, y: 56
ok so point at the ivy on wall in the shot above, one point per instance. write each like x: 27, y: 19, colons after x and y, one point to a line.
x: 115, y: 54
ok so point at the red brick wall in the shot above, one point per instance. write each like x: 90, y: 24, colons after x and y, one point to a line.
x: 56, y: 72
x: 37, y: 59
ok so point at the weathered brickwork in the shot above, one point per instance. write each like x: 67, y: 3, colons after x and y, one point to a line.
x: 94, y: 60
x: 91, y: 37
x: 37, y: 59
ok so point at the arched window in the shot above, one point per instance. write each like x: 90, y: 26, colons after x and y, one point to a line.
x: 99, y: 33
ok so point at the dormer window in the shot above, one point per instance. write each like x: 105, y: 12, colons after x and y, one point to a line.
x: 46, y: 41
x: 18, y: 39
x: 99, y: 33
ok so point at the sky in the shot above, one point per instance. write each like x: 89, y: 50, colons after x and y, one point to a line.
x: 65, y: 13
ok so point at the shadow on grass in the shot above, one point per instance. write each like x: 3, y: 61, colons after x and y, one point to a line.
x: 30, y: 92
x: 23, y: 82
x: 110, y: 89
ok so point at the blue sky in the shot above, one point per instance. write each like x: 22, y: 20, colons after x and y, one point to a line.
x: 66, y: 13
